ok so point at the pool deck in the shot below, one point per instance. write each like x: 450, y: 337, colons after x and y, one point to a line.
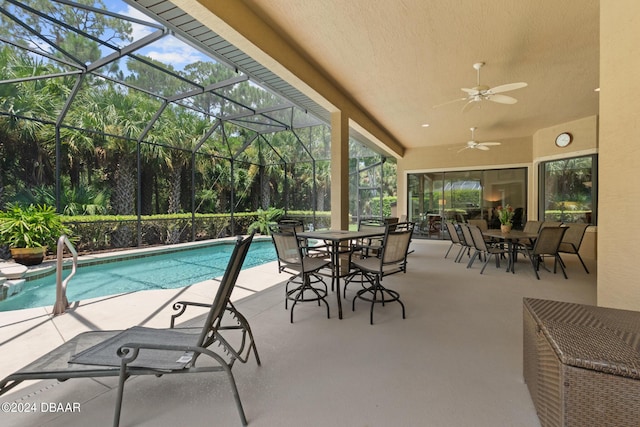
x: 456, y: 360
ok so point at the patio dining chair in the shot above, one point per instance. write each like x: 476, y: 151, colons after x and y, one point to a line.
x: 391, y: 259
x: 368, y: 245
x: 524, y: 245
x: 467, y: 240
x: 455, y: 240
x: 224, y: 338
x: 573, y: 239
x: 546, y: 245
x: 482, y: 247
x: 481, y: 223
x: 293, y: 258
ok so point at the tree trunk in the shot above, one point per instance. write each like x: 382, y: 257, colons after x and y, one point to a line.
x: 123, y: 200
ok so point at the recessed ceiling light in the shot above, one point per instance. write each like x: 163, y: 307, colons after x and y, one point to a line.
x: 597, y: 89
x: 425, y: 125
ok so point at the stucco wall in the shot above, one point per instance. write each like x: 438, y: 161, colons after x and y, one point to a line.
x: 619, y: 159
x: 585, y: 137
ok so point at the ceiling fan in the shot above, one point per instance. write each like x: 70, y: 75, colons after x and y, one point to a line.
x: 475, y: 145
x: 483, y: 92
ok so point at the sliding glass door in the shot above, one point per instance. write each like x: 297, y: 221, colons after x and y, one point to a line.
x: 460, y: 196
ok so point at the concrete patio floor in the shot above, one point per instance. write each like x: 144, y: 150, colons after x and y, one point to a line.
x: 456, y: 360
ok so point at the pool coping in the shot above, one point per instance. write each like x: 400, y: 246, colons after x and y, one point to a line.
x: 10, y: 270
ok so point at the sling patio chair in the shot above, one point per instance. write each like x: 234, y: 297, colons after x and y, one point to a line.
x: 482, y: 247
x: 527, y: 245
x: 546, y: 245
x: 369, y: 245
x: 573, y: 239
x: 294, y: 258
x: 455, y: 240
x: 467, y: 241
x: 224, y: 338
x: 392, y: 259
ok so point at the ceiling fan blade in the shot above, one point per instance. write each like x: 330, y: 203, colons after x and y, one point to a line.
x: 462, y: 149
x: 469, y: 105
x: 450, y: 102
x: 482, y: 147
x: 489, y: 143
x: 507, y: 87
x: 502, y: 99
x: 472, y: 92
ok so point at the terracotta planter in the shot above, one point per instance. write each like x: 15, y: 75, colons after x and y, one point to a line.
x: 28, y: 256
x: 505, y: 228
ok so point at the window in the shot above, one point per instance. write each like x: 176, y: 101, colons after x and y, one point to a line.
x: 569, y: 189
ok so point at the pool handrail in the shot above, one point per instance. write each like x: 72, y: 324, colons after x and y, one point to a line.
x: 62, y: 303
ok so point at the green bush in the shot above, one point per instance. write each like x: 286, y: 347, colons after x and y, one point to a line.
x: 31, y: 226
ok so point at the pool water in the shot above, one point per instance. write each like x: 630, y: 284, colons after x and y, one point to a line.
x: 163, y: 271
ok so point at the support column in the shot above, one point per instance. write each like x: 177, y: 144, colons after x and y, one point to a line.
x: 339, y: 171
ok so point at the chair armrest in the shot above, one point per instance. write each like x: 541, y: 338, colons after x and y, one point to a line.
x: 364, y: 250
x: 181, y: 307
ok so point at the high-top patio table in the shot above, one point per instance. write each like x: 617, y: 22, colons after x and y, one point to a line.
x: 336, y: 238
x: 511, y: 238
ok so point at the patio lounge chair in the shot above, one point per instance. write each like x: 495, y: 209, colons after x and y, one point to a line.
x: 149, y: 351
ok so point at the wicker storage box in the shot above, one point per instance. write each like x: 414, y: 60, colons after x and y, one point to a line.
x: 582, y: 363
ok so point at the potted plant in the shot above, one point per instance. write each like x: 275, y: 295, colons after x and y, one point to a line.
x: 505, y: 215
x: 28, y: 231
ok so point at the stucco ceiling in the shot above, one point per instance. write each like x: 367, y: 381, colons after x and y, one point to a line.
x: 399, y: 58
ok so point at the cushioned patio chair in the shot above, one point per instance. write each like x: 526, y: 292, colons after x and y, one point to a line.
x: 392, y: 258
x: 224, y: 338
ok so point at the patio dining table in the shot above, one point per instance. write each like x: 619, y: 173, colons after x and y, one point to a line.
x: 337, y: 238
x: 511, y: 238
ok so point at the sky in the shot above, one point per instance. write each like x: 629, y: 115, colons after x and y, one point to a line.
x: 169, y: 49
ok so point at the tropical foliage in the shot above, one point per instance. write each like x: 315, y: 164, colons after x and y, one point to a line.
x: 110, y: 143
x: 31, y: 226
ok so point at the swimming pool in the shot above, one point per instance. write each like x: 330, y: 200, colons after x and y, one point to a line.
x: 159, y: 271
